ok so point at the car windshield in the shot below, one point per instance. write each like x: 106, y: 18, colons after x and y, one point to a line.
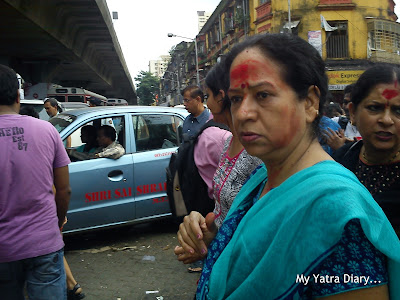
x: 39, y: 109
x: 61, y: 121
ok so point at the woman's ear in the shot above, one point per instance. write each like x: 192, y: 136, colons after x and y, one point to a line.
x: 352, y: 112
x: 219, y: 98
x: 312, y: 103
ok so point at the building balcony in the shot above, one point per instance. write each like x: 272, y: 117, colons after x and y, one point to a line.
x: 336, y: 4
x: 383, y: 41
x: 263, y: 12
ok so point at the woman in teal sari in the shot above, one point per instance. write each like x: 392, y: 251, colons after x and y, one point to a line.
x: 306, y: 228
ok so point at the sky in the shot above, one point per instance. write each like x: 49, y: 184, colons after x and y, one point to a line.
x: 142, y: 27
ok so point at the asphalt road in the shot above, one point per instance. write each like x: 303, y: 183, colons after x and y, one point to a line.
x: 135, y: 262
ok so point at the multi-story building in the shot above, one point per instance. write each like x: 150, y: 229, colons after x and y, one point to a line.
x: 202, y: 18
x: 173, y: 77
x: 158, y: 67
x: 350, y: 34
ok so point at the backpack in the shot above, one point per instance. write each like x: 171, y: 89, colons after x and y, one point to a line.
x: 186, y: 190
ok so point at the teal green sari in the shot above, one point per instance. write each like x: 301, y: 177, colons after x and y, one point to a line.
x: 290, y: 231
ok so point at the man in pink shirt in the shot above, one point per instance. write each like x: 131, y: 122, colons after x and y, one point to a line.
x: 32, y: 160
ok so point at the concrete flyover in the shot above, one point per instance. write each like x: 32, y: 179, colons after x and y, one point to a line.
x: 68, y: 42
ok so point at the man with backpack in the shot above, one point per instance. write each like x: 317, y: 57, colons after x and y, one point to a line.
x: 191, y: 170
x: 193, y: 99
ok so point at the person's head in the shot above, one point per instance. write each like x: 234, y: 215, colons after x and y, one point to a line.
x: 93, y: 101
x: 347, y: 98
x: 106, y: 135
x: 333, y: 109
x: 29, y: 111
x: 8, y: 87
x: 217, y: 85
x: 52, y: 107
x: 375, y: 108
x: 277, y: 87
x: 193, y: 99
x: 89, y: 134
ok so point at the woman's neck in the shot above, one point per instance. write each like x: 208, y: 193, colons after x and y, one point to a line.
x: 302, y: 157
x: 376, y: 157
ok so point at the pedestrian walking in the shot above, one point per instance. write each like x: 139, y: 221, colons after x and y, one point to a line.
x: 32, y: 160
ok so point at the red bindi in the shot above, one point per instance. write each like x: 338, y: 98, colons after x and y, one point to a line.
x: 390, y: 94
x: 243, y: 86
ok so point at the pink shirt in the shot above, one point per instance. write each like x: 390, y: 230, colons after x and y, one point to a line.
x: 30, y: 149
x: 207, y: 153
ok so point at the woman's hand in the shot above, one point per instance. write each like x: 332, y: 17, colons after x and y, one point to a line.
x: 194, y: 236
x: 335, y: 139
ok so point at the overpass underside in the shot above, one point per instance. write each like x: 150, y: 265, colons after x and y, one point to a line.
x: 68, y: 42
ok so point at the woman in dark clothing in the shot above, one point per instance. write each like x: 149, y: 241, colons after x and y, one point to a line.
x: 375, y: 110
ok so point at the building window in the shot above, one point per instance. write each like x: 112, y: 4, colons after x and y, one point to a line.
x: 337, y: 41
x: 262, y: 2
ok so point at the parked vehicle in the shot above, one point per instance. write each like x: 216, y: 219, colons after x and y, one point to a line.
x: 107, y: 192
x: 73, y: 105
x: 115, y: 101
x: 38, y: 105
x: 72, y: 94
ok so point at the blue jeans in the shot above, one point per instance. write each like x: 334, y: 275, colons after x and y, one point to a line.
x: 44, y: 277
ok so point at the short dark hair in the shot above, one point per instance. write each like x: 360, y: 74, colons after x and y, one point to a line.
x: 89, y: 129
x: 8, y: 86
x: 301, y: 63
x: 379, y: 73
x: 28, y: 111
x: 109, y: 132
x: 95, y: 101
x: 218, y: 79
x: 348, y: 89
x: 332, y: 108
x: 194, y: 92
x: 54, y: 103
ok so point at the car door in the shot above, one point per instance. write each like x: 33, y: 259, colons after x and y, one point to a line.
x: 156, y: 138
x: 102, y: 188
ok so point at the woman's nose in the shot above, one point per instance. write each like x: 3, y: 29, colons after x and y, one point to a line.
x: 386, y: 118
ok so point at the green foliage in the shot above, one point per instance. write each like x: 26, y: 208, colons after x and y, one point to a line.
x: 147, y: 88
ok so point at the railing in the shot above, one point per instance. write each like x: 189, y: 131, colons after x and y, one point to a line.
x: 337, y: 46
x: 384, y: 41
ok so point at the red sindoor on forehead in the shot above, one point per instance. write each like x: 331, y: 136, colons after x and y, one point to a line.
x: 390, y: 94
x: 241, y: 72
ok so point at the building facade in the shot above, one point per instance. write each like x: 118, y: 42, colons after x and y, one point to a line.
x: 158, y: 67
x: 351, y: 35
x: 202, y: 18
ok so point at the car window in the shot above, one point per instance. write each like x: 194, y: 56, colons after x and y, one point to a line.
x: 116, y: 122
x: 75, y: 99
x: 39, y: 108
x: 156, y: 131
x: 60, y: 122
x: 60, y: 98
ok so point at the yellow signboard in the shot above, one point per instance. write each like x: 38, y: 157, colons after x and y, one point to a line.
x: 339, y: 79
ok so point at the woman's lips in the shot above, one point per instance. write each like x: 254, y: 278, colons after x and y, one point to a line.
x: 249, y: 136
x: 384, y: 135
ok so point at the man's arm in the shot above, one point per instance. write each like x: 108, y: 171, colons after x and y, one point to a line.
x: 114, y: 152
x: 63, y: 192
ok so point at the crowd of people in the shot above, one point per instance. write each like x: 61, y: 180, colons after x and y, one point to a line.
x: 307, y: 194
x: 301, y: 223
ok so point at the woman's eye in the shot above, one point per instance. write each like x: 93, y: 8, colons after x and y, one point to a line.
x: 262, y: 95
x: 374, y: 107
x: 235, y: 99
x: 396, y: 110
